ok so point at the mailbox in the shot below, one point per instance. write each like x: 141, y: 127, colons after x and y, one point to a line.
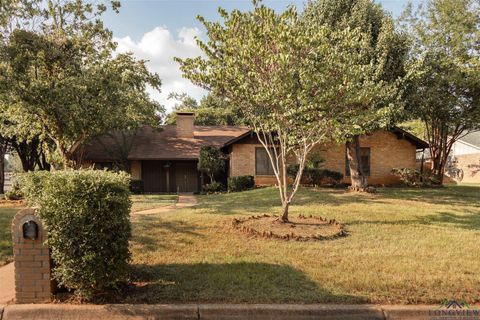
x: 30, y: 230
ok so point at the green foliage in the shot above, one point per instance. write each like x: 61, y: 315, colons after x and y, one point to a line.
x: 65, y: 81
x: 15, y: 193
x: 240, y: 183
x: 211, y: 161
x: 315, y: 176
x: 444, y: 72
x: 136, y: 186
x: 213, y: 187
x: 296, y: 84
x: 86, y: 214
x: 212, y: 110
x: 414, y: 178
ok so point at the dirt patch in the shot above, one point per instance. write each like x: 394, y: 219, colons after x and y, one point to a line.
x: 301, y: 228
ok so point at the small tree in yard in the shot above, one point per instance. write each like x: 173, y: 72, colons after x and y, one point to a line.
x: 288, y: 81
x: 444, y: 66
x: 211, y: 162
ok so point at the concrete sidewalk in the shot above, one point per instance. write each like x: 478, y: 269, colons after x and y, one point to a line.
x: 217, y: 311
x: 7, y: 283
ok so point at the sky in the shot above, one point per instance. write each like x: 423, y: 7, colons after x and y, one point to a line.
x: 158, y: 30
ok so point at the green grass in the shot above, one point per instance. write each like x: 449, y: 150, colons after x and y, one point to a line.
x: 150, y: 201
x: 6, y: 216
x: 404, y: 246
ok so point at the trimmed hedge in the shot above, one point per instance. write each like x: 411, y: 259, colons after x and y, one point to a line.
x: 316, y: 176
x: 240, y: 183
x: 213, y: 187
x: 86, y: 214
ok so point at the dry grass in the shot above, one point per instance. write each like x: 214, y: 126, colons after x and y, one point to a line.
x: 404, y: 246
x: 149, y: 201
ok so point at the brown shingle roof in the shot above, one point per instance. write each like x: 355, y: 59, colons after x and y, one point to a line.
x: 151, y: 144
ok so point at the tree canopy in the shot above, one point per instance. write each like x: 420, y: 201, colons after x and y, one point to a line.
x: 444, y: 73
x: 385, y: 50
x: 295, y: 85
x: 64, y: 77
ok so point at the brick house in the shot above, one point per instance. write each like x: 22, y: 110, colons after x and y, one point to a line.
x: 166, y: 160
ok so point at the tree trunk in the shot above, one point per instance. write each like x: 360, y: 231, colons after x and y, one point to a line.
x: 358, y: 178
x: 285, y: 211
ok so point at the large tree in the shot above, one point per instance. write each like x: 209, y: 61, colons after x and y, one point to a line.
x: 289, y: 81
x: 444, y: 73
x: 386, y: 49
x: 65, y: 74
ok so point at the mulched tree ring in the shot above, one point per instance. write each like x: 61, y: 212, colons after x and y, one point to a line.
x: 301, y: 228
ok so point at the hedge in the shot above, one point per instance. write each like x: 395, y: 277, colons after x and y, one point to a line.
x: 240, y: 183
x: 86, y: 214
x: 315, y: 176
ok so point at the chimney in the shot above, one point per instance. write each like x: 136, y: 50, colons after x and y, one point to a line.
x: 185, y: 124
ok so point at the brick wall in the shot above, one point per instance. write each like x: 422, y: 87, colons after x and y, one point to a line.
x: 386, y: 152
x: 470, y: 164
x: 32, y: 261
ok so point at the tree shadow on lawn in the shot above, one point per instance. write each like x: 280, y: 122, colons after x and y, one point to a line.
x: 266, y: 200
x: 233, y: 283
x: 151, y: 232
x: 456, y: 195
x: 470, y: 220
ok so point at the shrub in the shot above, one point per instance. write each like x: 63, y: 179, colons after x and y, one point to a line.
x: 213, y: 187
x: 240, y: 183
x: 414, y: 178
x: 315, y: 176
x: 136, y: 186
x: 86, y: 214
x: 15, y: 193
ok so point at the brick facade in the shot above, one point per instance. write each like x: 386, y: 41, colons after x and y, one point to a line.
x: 32, y: 261
x: 470, y: 164
x: 387, y: 151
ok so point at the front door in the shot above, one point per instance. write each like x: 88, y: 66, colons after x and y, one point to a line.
x: 186, y: 176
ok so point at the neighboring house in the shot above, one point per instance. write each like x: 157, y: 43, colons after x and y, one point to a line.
x: 464, y: 162
x: 166, y: 160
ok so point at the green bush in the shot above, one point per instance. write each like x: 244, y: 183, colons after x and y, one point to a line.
x: 240, y: 183
x: 315, y: 176
x: 15, y: 193
x: 86, y: 214
x: 136, y: 186
x: 213, y: 187
x: 414, y: 178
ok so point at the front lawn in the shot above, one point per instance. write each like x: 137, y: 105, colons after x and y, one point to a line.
x: 404, y: 246
x: 149, y: 201
x: 6, y: 215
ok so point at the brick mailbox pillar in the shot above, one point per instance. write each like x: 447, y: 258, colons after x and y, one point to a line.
x: 32, y: 258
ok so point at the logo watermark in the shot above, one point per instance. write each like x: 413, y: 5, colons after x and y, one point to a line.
x: 454, y: 310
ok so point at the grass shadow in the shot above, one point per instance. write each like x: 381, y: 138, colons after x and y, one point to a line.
x: 455, y: 195
x: 266, y: 200
x: 228, y: 282
x: 151, y: 232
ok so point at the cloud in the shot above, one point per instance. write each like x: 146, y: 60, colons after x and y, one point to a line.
x: 159, y: 47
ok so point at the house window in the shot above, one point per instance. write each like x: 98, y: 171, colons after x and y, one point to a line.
x: 365, y: 160
x: 263, y: 165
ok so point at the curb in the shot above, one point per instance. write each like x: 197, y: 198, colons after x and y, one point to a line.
x: 214, y: 311
x: 290, y: 312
